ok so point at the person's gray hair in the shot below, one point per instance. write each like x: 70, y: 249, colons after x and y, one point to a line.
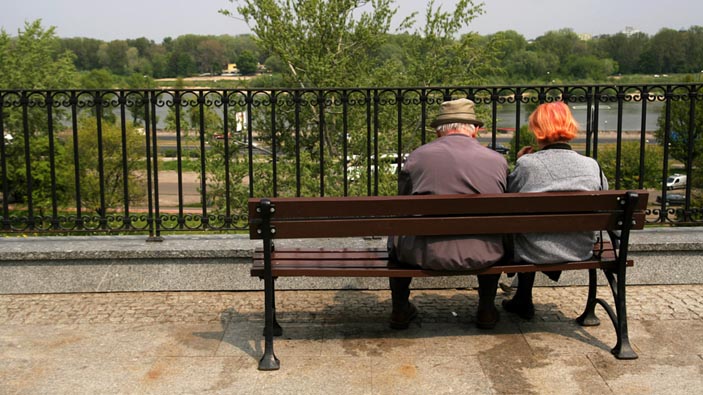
x: 447, y: 127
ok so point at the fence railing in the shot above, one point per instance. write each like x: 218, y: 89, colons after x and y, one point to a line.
x: 153, y: 161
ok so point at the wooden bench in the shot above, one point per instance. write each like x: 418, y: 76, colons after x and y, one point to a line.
x: 616, y: 212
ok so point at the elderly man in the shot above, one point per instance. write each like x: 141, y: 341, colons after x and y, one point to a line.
x: 454, y: 163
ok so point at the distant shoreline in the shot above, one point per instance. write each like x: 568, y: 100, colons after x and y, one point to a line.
x: 210, y: 78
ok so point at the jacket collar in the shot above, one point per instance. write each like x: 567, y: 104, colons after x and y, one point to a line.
x: 557, y: 146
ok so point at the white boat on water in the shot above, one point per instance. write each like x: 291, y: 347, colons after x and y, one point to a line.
x: 585, y: 107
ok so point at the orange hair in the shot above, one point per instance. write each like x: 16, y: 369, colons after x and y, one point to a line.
x: 552, y: 122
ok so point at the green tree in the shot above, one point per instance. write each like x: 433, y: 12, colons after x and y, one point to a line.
x: 102, y: 80
x: 211, y: 56
x: 19, y: 60
x: 181, y: 64
x: 630, y: 176
x: 159, y: 62
x: 110, y: 184
x: 563, y: 44
x: 274, y: 64
x: 137, y: 81
x: 142, y: 44
x: 508, y: 42
x: 44, y: 189
x: 437, y: 58
x: 247, y: 63
x: 625, y: 50
x: 666, y: 53
x: 588, y: 67
x: 527, y: 138
x: 32, y: 60
x: 85, y: 50
x: 679, y: 137
x: 113, y: 56
x: 532, y: 66
x: 337, y: 43
x: 98, y: 79
x: 693, y: 60
x: 322, y: 42
x: 235, y: 45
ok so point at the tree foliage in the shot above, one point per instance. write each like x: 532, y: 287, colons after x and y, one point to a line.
x: 323, y: 42
x: 682, y: 132
x: 105, y: 181
x: 353, y: 41
x: 629, y: 165
x: 247, y: 63
x: 210, y: 56
x: 19, y: 58
x: 32, y: 60
x: 527, y: 138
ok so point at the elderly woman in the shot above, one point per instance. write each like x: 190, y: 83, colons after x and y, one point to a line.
x: 555, y: 167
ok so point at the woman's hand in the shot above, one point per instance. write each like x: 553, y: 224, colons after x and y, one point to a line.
x: 525, y: 150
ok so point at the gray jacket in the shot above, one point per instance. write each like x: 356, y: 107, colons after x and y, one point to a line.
x: 555, y: 168
x: 453, y: 164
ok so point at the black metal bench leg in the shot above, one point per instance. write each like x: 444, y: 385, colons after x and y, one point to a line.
x: 588, y: 317
x: 277, y: 329
x: 269, y: 361
x: 622, y: 349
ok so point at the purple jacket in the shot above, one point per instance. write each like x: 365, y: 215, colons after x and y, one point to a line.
x: 453, y: 164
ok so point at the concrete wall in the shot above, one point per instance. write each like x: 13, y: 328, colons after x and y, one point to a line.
x: 221, y: 262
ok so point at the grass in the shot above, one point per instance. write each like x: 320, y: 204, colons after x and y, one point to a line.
x: 186, y: 164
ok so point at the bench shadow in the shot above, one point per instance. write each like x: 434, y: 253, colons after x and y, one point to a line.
x: 360, y: 314
x: 237, y: 330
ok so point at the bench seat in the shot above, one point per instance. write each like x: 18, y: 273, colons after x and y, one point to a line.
x: 373, y: 262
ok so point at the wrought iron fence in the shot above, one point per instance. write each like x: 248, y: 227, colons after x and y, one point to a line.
x: 153, y: 161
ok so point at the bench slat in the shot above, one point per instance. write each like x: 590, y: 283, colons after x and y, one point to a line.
x: 389, y: 206
x: 380, y: 268
x: 374, y: 263
x: 294, y: 254
x: 321, y: 228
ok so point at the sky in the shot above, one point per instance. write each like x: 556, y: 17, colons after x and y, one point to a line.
x: 156, y: 19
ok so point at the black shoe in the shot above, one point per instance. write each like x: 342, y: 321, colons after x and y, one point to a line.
x: 523, y: 310
x: 487, y: 318
x: 402, y: 319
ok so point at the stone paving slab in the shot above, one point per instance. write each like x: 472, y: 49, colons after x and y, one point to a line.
x: 337, y: 342
x: 540, y: 374
x: 554, y: 304
x: 670, y: 374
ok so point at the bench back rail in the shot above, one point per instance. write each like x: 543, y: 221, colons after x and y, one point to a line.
x: 442, y: 214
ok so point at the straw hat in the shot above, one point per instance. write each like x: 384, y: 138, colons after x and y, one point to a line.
x: 456, y: 111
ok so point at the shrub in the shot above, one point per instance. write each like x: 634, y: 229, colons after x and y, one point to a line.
x: 630, y: 176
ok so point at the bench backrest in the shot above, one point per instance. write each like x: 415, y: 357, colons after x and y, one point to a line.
x: 446, y: 214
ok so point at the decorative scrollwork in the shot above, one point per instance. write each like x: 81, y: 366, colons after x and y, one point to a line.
x: 134, y: 99
x: 357, y: 97
x: 416, y: 97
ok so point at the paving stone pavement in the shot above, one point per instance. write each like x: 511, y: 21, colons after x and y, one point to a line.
x: 338, y: 342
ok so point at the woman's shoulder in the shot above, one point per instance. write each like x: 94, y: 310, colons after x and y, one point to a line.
x: 562, y: 154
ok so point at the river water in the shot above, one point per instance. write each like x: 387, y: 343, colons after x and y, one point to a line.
x: 607, y: 116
